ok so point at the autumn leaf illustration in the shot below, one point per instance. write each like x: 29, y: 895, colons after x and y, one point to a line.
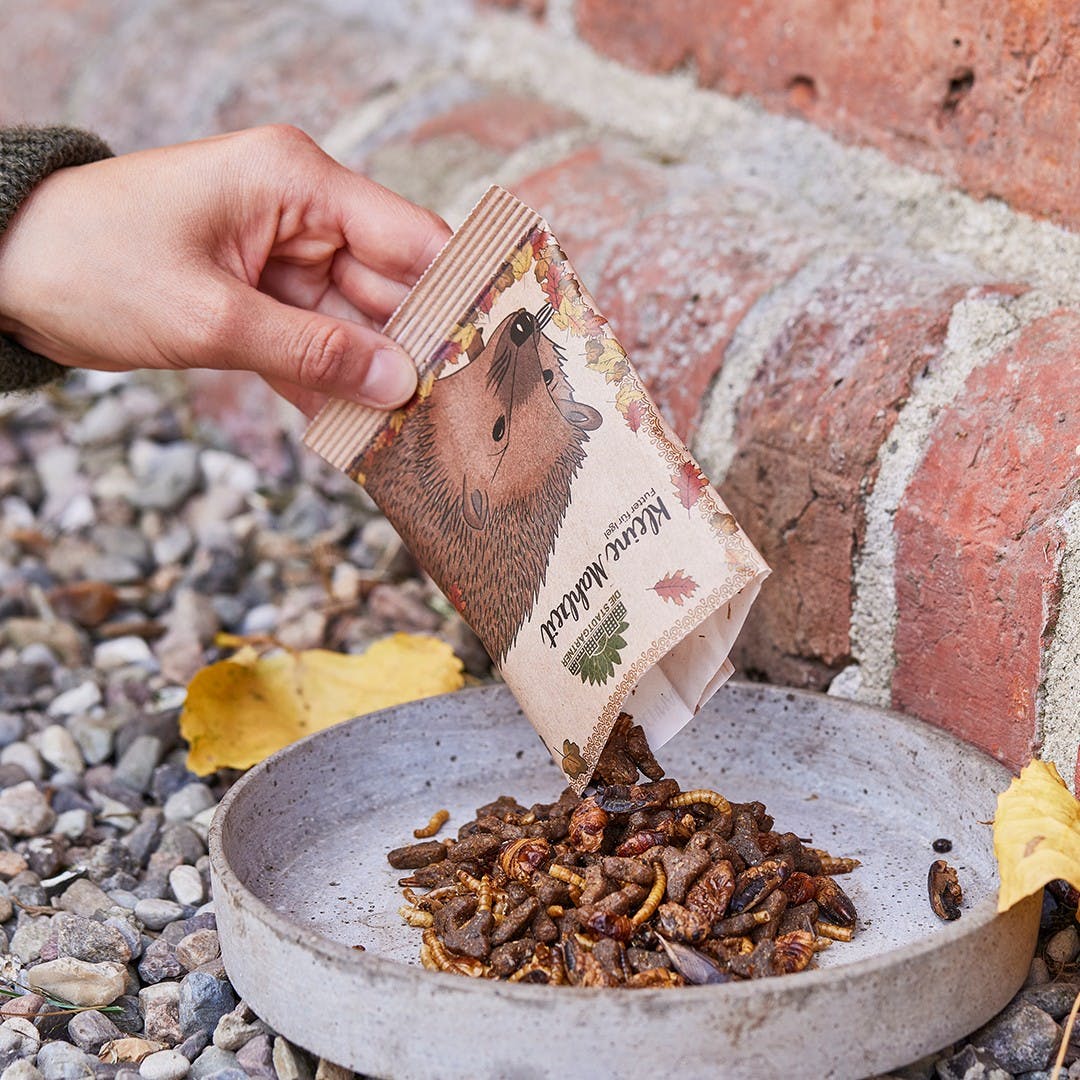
x: 573, y: 763
x: 635, y: 413
x: 456, y: 595
x: 607, y: 356
x: 675, y: 587
x: 688, y: 483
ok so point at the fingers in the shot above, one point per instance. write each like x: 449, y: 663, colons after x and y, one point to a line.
x: 386, y: 232
x: 307, y: 349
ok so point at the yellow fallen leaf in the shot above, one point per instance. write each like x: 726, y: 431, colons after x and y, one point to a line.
x: 132, y: 1050
x: 241, y: 710
x: 1036, y: 834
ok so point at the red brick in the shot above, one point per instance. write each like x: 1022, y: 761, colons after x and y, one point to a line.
x: 672, y: 272
x: 986, y: 93
x: 503, y: 122
x: 978, y: 545
x: 808, y: 433
x: 46, y: 43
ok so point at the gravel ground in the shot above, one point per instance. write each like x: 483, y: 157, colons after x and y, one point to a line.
x: 129, y: 536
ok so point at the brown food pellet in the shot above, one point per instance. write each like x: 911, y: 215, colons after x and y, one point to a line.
x: 413, y: 856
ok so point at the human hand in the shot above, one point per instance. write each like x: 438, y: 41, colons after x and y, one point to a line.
x: 254, y: 251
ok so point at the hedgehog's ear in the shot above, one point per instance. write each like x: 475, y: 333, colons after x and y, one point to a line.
x: 476, y: 346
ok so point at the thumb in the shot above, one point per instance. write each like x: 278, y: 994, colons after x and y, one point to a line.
x: 321, y: 354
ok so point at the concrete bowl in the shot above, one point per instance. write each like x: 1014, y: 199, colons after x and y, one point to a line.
x: 298, y: 854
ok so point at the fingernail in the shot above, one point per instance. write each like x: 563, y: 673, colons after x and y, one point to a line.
x: 390, y: 380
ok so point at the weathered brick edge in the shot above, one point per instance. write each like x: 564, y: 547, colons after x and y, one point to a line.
x: 981, y: 93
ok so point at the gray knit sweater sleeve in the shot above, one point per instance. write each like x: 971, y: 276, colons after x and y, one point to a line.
x: 27, y: 156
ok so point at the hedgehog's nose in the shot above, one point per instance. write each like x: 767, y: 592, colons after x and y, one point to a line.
x: 521, y: 329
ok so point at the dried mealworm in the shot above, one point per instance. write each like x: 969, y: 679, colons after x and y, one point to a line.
x: 438, y: 820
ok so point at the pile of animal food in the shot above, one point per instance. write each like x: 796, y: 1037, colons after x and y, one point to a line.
x: 638, y: 885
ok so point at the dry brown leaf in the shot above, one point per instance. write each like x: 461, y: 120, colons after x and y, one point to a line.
x: 241, y: 710
x: 133, y: 1050
x: 1036, y: 834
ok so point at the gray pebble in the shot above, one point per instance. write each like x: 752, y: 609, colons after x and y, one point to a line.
x: 83, y: 897
x: 971, y: 1064
x: 12, y: 728
x: 62, y: 1061
x: 156, y: 914
x: 23, y: 1069
x: 1020, y: 1039
x: 86, y: 939
x: 204, y: 1000
x: 12, y: 774
x: 90, y: 1030
x: 188, y: 801
x: 95, y: 738
x: 226, y: 1074
x: 126, y: 927
x: 212, y: 1060
x: 194, y: 1045
x: 165, y: 475
x: 29, y: 938
x: 136, y: 766
x: 159, y: 961
x: 256, y: 1057
x: 1062, y: 948
x: 14, y: 1047
x: 1055, y: 998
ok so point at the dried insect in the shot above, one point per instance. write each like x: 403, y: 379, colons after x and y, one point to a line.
x: 415, y: 917
x: 608, y: 925
x: 655, y: 979
x: 834, y: 932
x: 564, y: 873
x: 830, y: 864
x: 835, y: 904
x: 444, y: 960
x: 710, y: 895
x: 519, y: 858
x: 656, y: 894
x: 678, y: 923
x: 946, y: 895
x: 438, y: 820
x: 740, y: 924
x: 640, y: 842
x: 703, y: 796
x: 793, y: 952
x: 694, y: 966
x: 755, y: 883
x: 587, y: 824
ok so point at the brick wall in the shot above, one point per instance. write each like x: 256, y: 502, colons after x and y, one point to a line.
x: 879, y: 372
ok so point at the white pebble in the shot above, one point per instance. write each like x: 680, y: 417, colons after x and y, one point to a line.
x: 23, y: 754
x: 59, y: 749
x: 188, y: 801
x: 79, y: 699
x: 73, y: 823
x: 261, y: 619
x: 123, y: 651
x: 78, y: 514
x: 230, y: 470
x: 164, y: 1065
x: 187, y: 885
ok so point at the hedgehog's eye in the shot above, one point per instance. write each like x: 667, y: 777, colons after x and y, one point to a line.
x: 548, y: 376
x: 499, y: 430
